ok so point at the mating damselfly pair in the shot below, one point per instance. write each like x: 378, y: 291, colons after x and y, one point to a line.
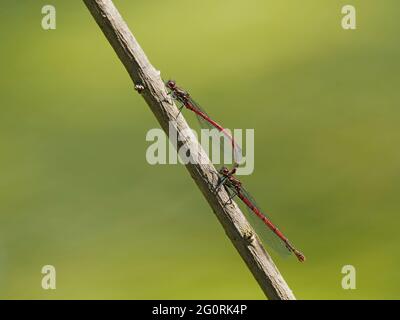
x: 270, y: 233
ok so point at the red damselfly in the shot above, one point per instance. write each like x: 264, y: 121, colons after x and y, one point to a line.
x: 273, y: 236
x: 205, y: 120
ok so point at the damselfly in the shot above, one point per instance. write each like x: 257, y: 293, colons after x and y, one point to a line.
x: 273, y: 236
x: 186, y: 101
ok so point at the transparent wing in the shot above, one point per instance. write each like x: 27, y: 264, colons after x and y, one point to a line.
x: 203, y: 122
x: 266, y: 234
x: 207, y: 123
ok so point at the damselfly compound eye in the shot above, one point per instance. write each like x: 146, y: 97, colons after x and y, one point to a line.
x: 171, y: 84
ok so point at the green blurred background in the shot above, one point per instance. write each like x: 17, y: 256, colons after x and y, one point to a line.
x: 76, y: 191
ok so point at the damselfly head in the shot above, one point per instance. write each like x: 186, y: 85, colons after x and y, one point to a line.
x: 171, y: 84
x: 224, y: 170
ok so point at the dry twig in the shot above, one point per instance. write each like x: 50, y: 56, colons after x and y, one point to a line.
x: 147, y: 79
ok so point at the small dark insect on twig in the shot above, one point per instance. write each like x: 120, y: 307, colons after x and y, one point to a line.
x: 139, y: 88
